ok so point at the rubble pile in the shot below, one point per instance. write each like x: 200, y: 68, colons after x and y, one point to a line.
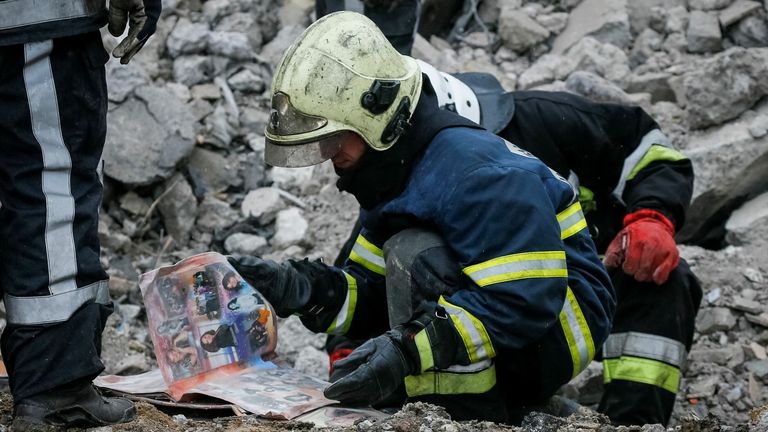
x: 184, y: 170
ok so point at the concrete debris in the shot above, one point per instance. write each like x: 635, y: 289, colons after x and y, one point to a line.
x: 247, y: 81
x: 751, y: 216
x: 744, y: 305
x: 122, y: 80
x: 708, y: 4
x: 596, y: 88
x: 191, y: 70
x: 703, y: 32
x: 715, y: 319
x: 518, y: 31
x: 211, y: 172
x: 178, y: 206
x: 141, y: 158
x: 290, y: 228
x: 604, y: 20
x: 262, y: 204
x: 710, y: 94
x: 187, y: 38
x: 245, y: 244
x: 737, y: 11
x: 215, y: 214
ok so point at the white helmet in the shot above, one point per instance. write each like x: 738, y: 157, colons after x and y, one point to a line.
x: 341, y: 75
x: 452, y: 94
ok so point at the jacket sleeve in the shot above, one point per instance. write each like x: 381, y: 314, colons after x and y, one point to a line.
x: 365, y: 291
x: 635, y: 160
x: 501, y: 223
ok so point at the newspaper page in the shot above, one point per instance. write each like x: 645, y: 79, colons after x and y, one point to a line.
x: 275, y: 392
x: 206, y: 320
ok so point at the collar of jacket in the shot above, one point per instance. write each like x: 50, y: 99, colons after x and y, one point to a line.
x: 381, y: 176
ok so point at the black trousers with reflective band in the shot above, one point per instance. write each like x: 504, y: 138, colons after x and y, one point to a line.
x: 650, y: 314
x: 53, y: 104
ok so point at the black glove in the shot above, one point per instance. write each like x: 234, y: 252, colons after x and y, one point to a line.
x: 141, y: 17
x: 373, y: 371
x: 377, y: 368
x: 310, y: 289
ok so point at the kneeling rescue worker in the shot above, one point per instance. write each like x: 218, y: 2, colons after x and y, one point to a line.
x: 478, y: 282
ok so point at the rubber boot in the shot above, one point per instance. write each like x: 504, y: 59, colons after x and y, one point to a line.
x: 72, y: 406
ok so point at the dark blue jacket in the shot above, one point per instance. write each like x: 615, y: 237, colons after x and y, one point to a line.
x: 519, y: 235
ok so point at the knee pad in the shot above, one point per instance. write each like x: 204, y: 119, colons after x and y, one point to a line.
x: 420, y: 267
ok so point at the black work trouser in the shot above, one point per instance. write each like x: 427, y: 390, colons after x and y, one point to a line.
x: 53, y: 104
x: 646, y: 350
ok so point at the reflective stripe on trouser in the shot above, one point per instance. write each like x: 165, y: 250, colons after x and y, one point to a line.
x: 52, y: 126
x: 642, y: 358
x: 476, y: 378
x: 466, y: 392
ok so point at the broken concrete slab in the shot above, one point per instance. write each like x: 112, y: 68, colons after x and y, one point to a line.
x: 748, y: 221
x: 262, y: 204
x: 703, y: 33
x: 711, y: 93
x: 178, y: 206
x: 737, y: 11
x: 518, y: 31
x: 290, y: 228
x: 604, y: 20
x: 143, y: 158
x: 715, y: 319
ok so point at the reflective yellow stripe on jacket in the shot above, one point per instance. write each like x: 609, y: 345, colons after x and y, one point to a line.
x: 575, y: 327
x: 544, y: 264
x: 343, y: 320
x: 472, y: 331
x: 577, y: 333
x: 368, y: 255
x: 571, y: 220
x: 525, y: 265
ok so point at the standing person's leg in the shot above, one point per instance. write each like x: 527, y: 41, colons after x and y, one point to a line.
x: 52, y: 129
x: 643, y: 356
x: 398, y: 20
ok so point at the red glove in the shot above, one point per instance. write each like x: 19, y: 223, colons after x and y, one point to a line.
x: 336, y: 355
x: 645, y: 249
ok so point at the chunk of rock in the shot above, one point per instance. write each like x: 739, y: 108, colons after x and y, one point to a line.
x: 749, y: 222
x: 245, y: 244
x: 141, y: 150
x: 211, y: 172
x: 596, y: 88
x: 191, y: 70
x: 215, y: 214
x: 715, y: 319
x: 518, y: 31
x: 290, y: 228
x: 738, y: 11
x: 604, y: 20
x: 187, y: 38
x: 230, y: 44
x: 178, y: 206
x: 703, y: 33
x: 262, y: 204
